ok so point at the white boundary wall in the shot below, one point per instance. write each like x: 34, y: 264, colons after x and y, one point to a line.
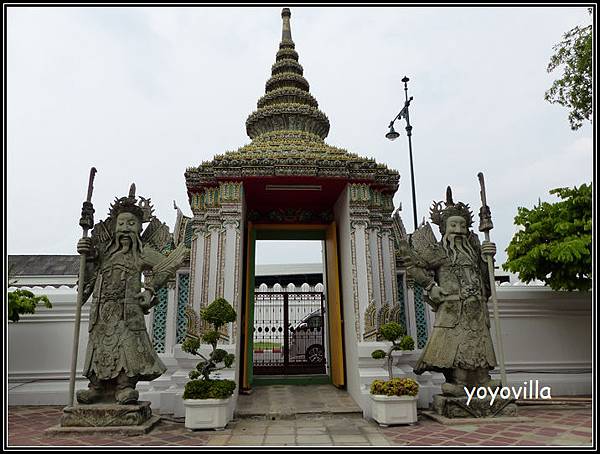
x: 547, y: 336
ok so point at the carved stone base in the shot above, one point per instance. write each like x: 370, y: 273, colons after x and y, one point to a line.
x: 474, y: 421
x: 136, y: 419
x: 456, y: 407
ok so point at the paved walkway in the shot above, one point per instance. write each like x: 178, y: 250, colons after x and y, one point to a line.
x: 282, y: 400
x: 549, y: 427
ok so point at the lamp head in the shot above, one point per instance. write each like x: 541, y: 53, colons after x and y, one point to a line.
x: 392, y: 135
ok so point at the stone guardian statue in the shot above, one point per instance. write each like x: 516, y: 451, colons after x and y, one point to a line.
x: 455, y: 275
x: 119, y: 351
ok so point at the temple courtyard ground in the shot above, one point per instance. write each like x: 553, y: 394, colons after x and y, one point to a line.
x: 549, y: 426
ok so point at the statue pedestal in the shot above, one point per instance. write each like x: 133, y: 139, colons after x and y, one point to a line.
x: 456, y: 407
x: 136, y: 419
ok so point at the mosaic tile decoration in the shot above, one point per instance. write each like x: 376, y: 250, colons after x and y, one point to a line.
x: 422, y: 332
x: 183, y: 297
x: 189, y: 231
x: 159, y: 323
x: 401, y: 299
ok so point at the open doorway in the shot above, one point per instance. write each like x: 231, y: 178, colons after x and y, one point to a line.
x: 315, y: 247
x: 290, y: 335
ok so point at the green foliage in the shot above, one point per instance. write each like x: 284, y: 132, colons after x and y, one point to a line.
x: 218, y: 313
x: 211, y: 337
x: 378, y: 354
x: 208, y: 389
x: 574, y: 89
x: 395, y: 387
x: 191, y: 345
x: 229, y: 359
x: 555, y: 244
x: 406, y: 343
x: 392, y: 331
x: 201, y: 386
x: 219, y: 355
x: 24, y: 302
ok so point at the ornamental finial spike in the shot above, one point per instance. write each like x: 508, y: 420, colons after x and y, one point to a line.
x: 449, y: 200
x: 286, y: 34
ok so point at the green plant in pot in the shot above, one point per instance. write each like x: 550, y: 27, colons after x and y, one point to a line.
x: 201, y: 386
x: 396, y: 334
x: 394, y: 401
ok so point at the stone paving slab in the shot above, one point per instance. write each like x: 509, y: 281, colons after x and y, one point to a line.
x: 547, y: 427
x: 278, y: 401
x: 461, y: 421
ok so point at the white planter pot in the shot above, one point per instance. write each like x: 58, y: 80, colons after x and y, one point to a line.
x: 206, y: 413
x: 387, y: 410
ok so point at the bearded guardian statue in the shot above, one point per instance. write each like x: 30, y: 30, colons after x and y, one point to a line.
x: 455, y: 275
x: 119, y: 351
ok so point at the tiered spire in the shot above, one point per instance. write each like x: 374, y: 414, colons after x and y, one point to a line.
x: 287, y: 105
x: 288, y: 132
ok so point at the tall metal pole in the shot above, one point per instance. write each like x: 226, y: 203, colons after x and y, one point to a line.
x: 485, y: 225
x: 409, y: 134
x: 86, y: 222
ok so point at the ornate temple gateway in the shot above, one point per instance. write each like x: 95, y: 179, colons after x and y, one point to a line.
x: 308, y: 323
x: 287, y: 183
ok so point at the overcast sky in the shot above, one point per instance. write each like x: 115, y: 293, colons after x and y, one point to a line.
x: 142, y: 93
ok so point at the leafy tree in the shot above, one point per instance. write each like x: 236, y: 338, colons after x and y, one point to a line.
x: 23, y: 301
x: 555, y: 244
x: 574, y: 89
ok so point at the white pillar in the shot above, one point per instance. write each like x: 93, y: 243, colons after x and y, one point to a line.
x: 409, y: 307
x: 232, y: 267
x: 361, y: 266
x: 197, y: 265
x: 171, y: 323
x: 214, y: 236
x: 389, y: 268
x: 376, y: 264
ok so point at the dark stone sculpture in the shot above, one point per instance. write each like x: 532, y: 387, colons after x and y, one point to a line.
x: 119, y: 351
x: 455, y: 275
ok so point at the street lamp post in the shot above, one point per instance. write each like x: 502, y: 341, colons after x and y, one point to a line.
x: 393, y: 135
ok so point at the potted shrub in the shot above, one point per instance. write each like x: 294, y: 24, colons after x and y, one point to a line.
x: 207, y: 400
x: 394, y: 401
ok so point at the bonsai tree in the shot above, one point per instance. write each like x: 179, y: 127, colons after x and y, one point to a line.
x: 201, y: 386
x: 396, y: 334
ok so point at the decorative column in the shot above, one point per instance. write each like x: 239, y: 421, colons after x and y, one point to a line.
x: 200, y: 248
x: 213, y: 252
x: 171, y: 323
x: 375, y: 248
x: 388, y: 253
x: 411, y: 315
x: 362, y: 281
x: 216, y: 265
x: 231, y: 256
x: 197, y: 264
